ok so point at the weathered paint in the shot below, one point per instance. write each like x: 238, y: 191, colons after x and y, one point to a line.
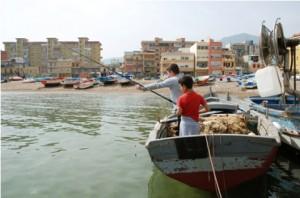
x: 226, y: 179
x: 293, y: 141
x: 237, y: 158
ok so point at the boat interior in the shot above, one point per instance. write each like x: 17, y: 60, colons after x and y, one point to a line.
x: 216, y: 123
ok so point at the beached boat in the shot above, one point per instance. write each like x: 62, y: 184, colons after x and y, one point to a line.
x: 221, y: 158
x: 15, y: 78
x: 86, y: 84
x: 202, y: 80
x: 28, y: 80
x: 106, y: 80
x: 70, y: 82
x: 125, y: 82
x: 53, y: 82
x: 3, y: 80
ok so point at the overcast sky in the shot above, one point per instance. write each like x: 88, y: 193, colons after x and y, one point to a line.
x: 121, y: 25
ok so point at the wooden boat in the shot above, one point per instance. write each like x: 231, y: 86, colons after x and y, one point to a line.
x: 106, y: 80
x: 70, y: 82
x: 54, y: 82
x: 201, y: 80
x: 249, y: 83
x: 85, y: 84
x: 125, y: 82
x: 4, y: 80
x: 285, y: 116
x: 274, y: 99
x: 15, y: 78
x: 28, y: 80
x: 232, y: 158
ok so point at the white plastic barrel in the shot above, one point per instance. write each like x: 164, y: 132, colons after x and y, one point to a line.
x: 269, y: 81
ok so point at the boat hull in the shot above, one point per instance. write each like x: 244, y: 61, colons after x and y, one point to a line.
x: 227, y: 179
x: 291, y: 139
x: 236, y: 158
x: 84, y: 85
x: 51, y: 83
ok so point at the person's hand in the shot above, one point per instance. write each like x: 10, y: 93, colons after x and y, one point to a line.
x: 140, y: 87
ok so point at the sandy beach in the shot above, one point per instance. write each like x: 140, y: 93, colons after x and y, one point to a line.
x: 218, y: 87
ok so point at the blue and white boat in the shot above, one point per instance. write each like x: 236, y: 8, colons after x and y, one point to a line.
x: 106, y: 80
x: 284, y: 115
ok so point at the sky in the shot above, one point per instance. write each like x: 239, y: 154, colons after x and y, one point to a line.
x: 122, y: 25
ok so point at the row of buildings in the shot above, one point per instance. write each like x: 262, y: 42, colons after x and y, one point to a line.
x: 193, y: 57
x: 68, y: 58
x: 53, y: 57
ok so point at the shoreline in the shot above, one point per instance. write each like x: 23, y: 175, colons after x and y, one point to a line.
x: 217, y: 87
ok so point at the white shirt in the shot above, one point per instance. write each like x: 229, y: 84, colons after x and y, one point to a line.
x: 171, y: 83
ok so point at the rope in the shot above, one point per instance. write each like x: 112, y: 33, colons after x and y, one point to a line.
x: 213, y: 169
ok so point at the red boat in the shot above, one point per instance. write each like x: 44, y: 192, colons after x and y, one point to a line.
x: 204, y: 160
x: 55, y: 82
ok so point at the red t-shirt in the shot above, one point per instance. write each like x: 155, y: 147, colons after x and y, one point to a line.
x: 190, y: 103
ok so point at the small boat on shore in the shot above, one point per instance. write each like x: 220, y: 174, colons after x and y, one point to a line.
x: 28, y: 80
x: 53, y: 82
x: 70, y: 82
x: 201, y: 80
x: 125, y: 82
x: 15, y: 78
x: 106, y: 80
x: 219, y: 154
x: 86, y: 84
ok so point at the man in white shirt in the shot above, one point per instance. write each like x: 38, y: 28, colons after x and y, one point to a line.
x: 171, y: 82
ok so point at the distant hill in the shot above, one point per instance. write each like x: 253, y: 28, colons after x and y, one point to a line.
x: 112, y: 60
x: 239, y: 38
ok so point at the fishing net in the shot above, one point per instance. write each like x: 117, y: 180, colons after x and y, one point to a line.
x: 226, y: 124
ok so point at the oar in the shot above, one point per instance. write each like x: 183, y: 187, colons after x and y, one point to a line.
x: 135, y: 82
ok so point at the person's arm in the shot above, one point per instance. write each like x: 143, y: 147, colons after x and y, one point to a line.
x: 179, y: 111
x: 203, y: 105
x: 166, y: 83
x: 179, y: 107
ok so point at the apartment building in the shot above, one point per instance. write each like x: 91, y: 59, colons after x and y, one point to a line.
x: 200, y: 50
x: 229, y: 65
x: 215, y: 57
x: 149, y: 63
x: 159, y: 46
x: 184, y: 60
x: 133, y: 63
x: 52, y: 57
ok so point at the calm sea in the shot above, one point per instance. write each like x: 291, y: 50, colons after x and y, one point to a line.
x: 92, y: 145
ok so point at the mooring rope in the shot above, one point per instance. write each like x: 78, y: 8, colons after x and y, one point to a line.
x: 213, y: 169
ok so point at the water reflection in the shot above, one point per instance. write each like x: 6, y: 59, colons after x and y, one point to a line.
x: 282, y: 180
x: 17, y: 142
x: 160, y: 185
x: 103, y: 136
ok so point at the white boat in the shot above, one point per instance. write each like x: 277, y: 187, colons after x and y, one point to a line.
x: 15, y: 78
x: 85, y: 84
x: 28, y: 80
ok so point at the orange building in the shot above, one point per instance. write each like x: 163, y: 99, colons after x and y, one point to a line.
x: 215, y: 57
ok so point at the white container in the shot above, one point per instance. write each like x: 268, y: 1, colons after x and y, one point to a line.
x: 269, y: 81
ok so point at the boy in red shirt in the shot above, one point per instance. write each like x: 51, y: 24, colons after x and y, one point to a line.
x: 188, y: 106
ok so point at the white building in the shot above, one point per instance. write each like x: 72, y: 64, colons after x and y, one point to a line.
x: 184, y: 60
